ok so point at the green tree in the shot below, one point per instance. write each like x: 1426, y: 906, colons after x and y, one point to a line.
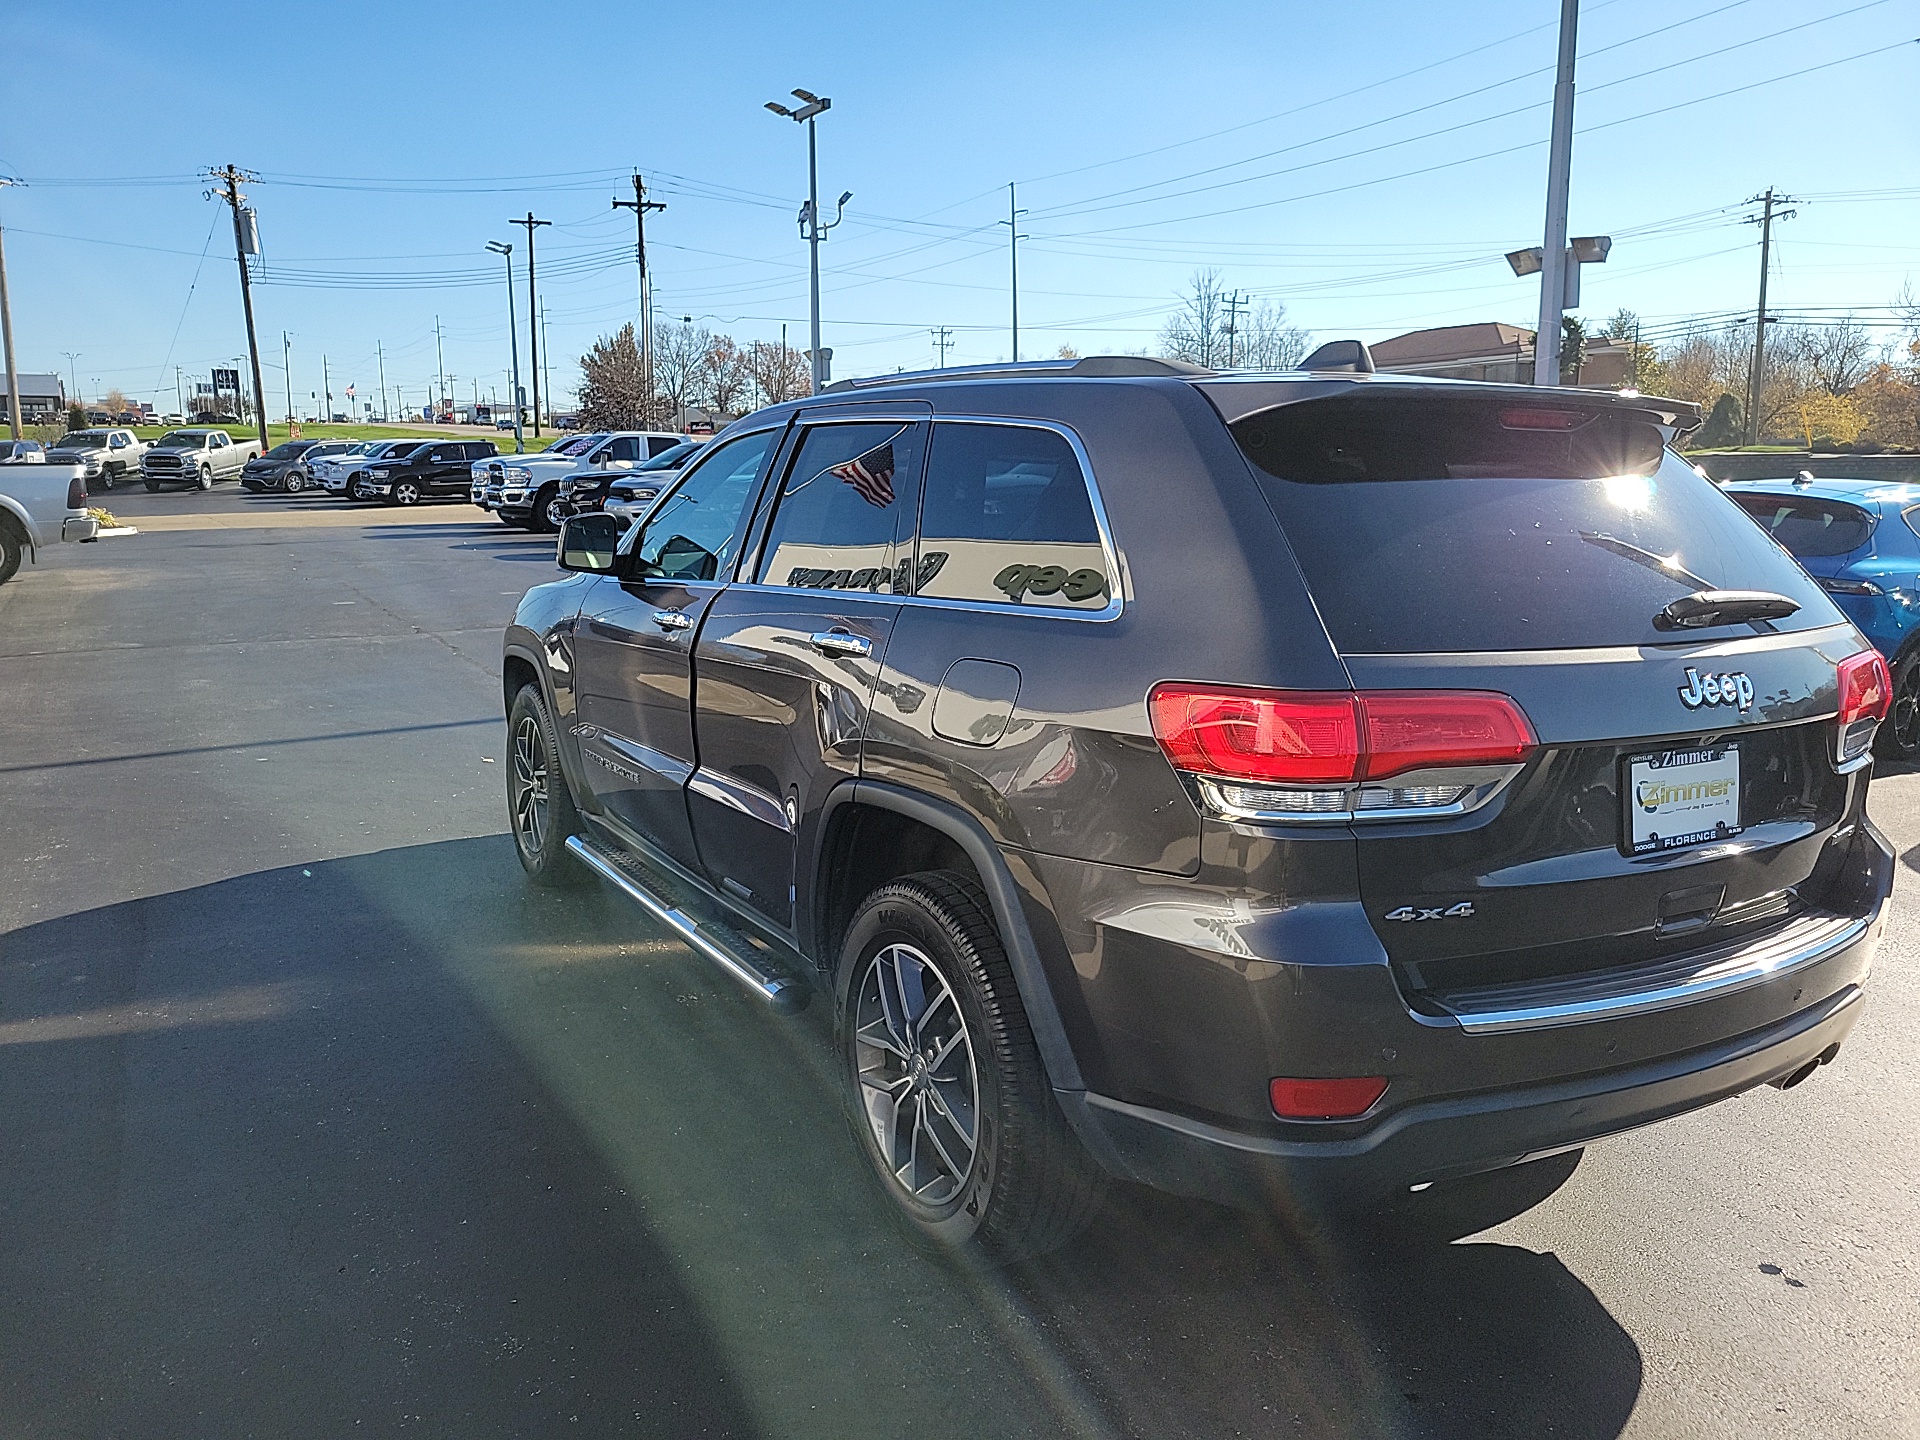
x: 1573, y: 349
x: 613, y: 385
x: 1725, y: 424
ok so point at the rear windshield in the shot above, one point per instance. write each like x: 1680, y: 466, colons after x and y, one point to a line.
x: 1810, y: 526
x: 1453, y: 524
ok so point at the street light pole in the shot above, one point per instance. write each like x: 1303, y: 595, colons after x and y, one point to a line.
x: 505, y: 252
x: 810, y: 224
x: 73, y: 373
x: 1014, y: 237
x: 286, y: 359
x: 1553, y: 249
x: 6, y: 331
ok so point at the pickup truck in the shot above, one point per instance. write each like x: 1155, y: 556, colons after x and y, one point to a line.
x: 109, y: 456
x: 40, y: 504
x: 194, y: 457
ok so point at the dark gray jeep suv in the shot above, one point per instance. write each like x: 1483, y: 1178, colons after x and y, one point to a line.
x: 1286, y: 789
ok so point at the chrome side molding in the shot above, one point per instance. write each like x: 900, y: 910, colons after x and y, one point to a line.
x: 716, y: 942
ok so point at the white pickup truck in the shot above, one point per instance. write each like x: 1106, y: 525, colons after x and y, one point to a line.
x: 195, y: 457
x: 41, y: 505
x: 109, y: 455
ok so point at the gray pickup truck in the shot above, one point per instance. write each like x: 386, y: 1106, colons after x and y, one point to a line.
x: 194, y: 457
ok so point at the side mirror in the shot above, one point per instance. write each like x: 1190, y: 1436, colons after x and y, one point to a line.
x: 589, y: 542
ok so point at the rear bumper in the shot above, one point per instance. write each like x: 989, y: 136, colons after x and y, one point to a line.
x: 79, y: 527
x: 1439, y: 1139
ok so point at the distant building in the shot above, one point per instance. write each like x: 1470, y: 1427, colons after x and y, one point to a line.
x: 1492, y: 350
x: 43, y: 398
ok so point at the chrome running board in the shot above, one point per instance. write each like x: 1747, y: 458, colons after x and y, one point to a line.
x: 716, y: 940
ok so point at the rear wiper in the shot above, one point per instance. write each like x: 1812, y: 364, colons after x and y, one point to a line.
x: 1723, y: 607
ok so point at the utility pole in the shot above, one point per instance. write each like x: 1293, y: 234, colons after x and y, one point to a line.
x: 246, y: 241
x: 326, y: 391
x: 179, y: 396
x: 505, y: 252
x: 441, y: 361
x: 73, y: 371
x: 545, y: 351
x: 1236, y: 302
x: 1553, y: 249
x: 1757, y: 372
x: 286, y: 360
x: 943, y: 342
x: 533, y: 311
x: 1014, y: 237
x: 6, y: 331
x: 379, y: 349
x: 640, y: 205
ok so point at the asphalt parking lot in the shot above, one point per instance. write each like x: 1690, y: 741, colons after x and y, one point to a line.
x: 315, y: 1120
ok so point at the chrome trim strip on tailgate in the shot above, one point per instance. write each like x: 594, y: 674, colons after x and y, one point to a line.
x: 1640, y: 990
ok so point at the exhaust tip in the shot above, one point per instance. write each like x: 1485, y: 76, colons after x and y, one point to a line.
x: 1794, y: 1077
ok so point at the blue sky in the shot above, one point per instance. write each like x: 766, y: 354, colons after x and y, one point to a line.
x: 1148, y: 139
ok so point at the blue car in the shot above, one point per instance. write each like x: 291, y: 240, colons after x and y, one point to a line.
x: 1860, y: 539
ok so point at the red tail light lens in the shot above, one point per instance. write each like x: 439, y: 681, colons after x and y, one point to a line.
x: 77, y: 493
x: 1277, y: 736
x: 1866, y: 688
x: 1337, y: 1099
x: 1333, y: 737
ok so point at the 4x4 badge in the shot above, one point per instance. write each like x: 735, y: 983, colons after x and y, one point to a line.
x: 1462, y: 911
x: 1710, y: 689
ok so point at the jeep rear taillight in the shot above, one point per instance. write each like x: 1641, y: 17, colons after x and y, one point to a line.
x: 77, y: 493
x: 1866, y: 694
x: 1294, y: 737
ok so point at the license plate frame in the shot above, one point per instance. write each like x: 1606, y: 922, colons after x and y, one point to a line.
x: 1700, y: 794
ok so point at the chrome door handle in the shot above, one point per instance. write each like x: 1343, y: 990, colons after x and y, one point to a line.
x: 839, y: 642
x: 671, y: 620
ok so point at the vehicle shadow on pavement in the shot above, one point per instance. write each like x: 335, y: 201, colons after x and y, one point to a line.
x: 1241, y: 1324
x: 267, y: 1170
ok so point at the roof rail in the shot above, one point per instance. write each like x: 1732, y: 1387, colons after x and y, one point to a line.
x: 1338, y: 355
x: 1106, y: 367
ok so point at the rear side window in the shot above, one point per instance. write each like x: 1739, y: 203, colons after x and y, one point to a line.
x: 1810, y: 526
x: 846, y: 509
x: 1007, y: 519
x: 660, y: 444
x: 1442, y: 524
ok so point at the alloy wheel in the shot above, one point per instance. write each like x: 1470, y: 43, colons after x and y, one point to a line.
x: 295, y: 482
x: 919, y: 1084
x: 1906, y: 710
x: 406, y: 493
x: 529, y: 785
x: 556, y: 512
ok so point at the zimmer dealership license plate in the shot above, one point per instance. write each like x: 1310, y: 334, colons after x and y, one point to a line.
x: 1682, y: 797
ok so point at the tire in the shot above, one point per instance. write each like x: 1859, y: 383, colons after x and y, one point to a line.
x: 540, y: 808
x: 1027, y: 1185
x: 11, y: 550
x: 109, y: 477
x: 294, y: 483
x: 206, y: 477
x: 1899, y: 737
x: 405, y: 492
x: 541, y: 518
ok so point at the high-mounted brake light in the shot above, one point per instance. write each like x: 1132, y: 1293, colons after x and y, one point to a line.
x: 1341, y: 1098
x: 1296, y: 737
x: 1531, y: 417
x: 1866, y: 694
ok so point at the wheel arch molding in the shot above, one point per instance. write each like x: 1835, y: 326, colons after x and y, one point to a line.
x: 996, y: 879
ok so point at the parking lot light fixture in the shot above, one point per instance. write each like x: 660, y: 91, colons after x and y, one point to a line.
x: 811, y: 227
x: 505, y: 252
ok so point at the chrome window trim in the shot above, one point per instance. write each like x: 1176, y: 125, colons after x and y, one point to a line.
x: 1116, y: 601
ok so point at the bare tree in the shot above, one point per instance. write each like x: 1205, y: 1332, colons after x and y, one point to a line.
x: 679, y: 364
x: 1266, y: 341
x: 777, y: 371
x: 613, y: 384
x: 725, y: 378
x: 1837, y: 356
x: 1196, y: 332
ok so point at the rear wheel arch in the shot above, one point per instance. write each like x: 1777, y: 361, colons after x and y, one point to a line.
x: 872, y: 833
x: 519, y: 667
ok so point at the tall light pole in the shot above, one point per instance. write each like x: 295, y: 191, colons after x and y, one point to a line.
x: 505, y: 252
x: 811, y: 228
x: 286, y: 359
x: 1553, y: 257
